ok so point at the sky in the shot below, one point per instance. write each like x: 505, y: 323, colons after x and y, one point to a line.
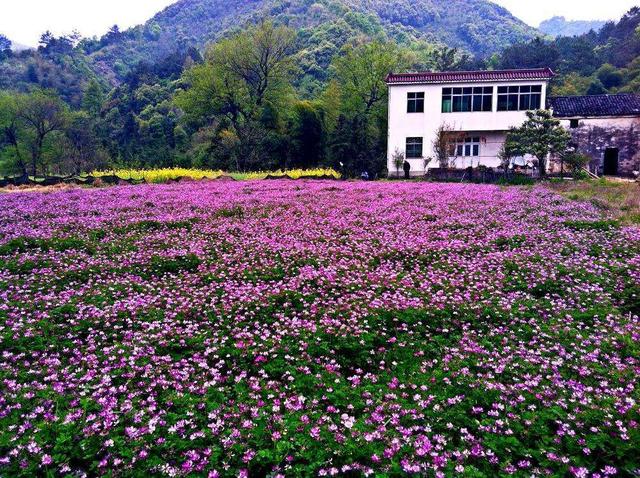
x: 23, y: 21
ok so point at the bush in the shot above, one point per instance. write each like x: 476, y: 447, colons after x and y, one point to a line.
x: 517, y: 180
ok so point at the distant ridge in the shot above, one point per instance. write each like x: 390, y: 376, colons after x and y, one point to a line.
x: 561, y: 27
x: 20, y: 47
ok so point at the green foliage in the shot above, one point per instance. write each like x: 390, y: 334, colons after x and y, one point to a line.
x: 576, y: 163
x: 93, y: 98
x: 165, y: 265
x: 600, y: 62
x: 32, y: 125
x: 240, y: 92
x: 603, y: 225
x: 540, y: 135
x: 360, y: 72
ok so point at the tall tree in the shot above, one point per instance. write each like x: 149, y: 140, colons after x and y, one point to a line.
x: 260, y: 57
x: 42, y: 115
x: 93, y: 98
x: 360, y: 72
x: 241, y: 90
x: 11, y: 133
x: 82, y: 150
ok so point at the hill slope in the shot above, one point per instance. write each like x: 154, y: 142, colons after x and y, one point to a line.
x: 477, y: 26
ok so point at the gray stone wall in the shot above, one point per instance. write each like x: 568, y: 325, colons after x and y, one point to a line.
x: 593, y: 139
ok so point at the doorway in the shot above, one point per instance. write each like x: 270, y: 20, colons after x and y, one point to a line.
x: 611, y: 162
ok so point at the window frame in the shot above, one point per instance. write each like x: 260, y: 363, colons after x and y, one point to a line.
x: 417, y: 101
x: 468, y: 147
x: 519, y: 98
x: 467, y: 99
x: 411, y: 145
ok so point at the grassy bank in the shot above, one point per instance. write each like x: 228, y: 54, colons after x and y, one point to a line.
x: 621, y: 198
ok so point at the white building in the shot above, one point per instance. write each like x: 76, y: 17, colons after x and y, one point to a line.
x: 481, y: 105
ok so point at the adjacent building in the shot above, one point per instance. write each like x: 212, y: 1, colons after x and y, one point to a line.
x: 476, y: 109
x: 604, y: 127
x: 480, y: 106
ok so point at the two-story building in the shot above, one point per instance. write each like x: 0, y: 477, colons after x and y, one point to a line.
x: 479, y: 106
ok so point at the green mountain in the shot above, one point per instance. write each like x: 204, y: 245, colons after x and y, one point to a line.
x: 479, y: 27
x: 561, y: 27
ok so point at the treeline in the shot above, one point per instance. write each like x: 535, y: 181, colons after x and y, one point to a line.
x: 235, y: 108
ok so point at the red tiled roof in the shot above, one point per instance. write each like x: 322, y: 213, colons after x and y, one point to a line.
x: 469, y: 76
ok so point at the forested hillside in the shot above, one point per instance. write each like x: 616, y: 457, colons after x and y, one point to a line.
x: 477, y: 27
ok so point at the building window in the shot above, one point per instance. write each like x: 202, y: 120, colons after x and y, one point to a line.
x: 467, y: 147
x: 415, y: 102
x: 456, y: 100
x: 414, y: 148
x: 574, y: 123
x: 519, y: 98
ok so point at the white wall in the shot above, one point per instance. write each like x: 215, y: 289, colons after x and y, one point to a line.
x: 619, y: 123
x: 490, y: 126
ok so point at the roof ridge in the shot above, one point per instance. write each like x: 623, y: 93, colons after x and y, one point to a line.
x: 452, y: 72
x: 471, y: 75
x: 600, y: 95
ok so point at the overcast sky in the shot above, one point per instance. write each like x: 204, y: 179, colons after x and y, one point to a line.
x: 24, y: 20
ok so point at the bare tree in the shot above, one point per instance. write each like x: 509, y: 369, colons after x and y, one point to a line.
x: 444, y: 145
x: 507, y: 152
x: 398, y: 160
x: 260, y: 57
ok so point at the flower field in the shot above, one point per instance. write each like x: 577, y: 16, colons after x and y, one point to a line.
x: 317, y: 328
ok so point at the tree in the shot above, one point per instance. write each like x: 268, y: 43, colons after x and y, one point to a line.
x: 449, y: 59
x: 5, y: 47
x: 307, y: 135
x: 82, y: 150
x: 5, y: 43
x: 11, y: 133
x: 360, y: 72
x: 508, y: 151
x: 243, y: 88
x: 596, y: 88
x: 398, y: 160
x: 260, y: 57
x: 540, y: 135
x: 93, y: 98
x: 576, y: 162
x: 42, y: 114
x: 444, y: 145
x: 609, y: 76
x: 536, y: 54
